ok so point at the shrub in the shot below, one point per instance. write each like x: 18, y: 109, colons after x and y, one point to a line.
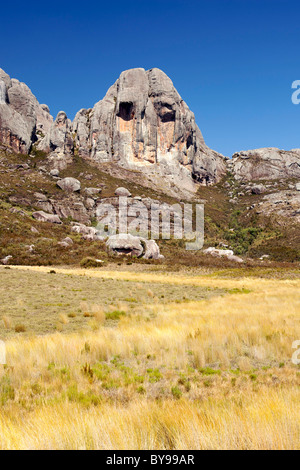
x: 20, y: 328
x: 176, y: 392
x: 89, y: 263
x: 115, y: 315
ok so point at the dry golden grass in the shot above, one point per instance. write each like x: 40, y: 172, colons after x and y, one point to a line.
x: 211, y: 374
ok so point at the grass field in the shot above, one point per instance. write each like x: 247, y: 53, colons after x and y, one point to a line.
x: 149, y: 360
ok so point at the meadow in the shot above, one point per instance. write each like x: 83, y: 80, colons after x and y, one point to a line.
x: 138, y: 358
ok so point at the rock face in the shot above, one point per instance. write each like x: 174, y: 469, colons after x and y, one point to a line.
x: 22, y: 119
x: 266, y: 164
x: 59, y: 138
x: 143, y: 124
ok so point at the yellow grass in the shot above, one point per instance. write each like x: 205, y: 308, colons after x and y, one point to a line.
x: 198, y: 375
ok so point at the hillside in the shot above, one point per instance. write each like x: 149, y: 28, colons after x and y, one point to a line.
x: 141, y: 136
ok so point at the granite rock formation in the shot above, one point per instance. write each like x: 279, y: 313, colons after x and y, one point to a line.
x: 143, y: 124
x: 23, y: 121
x: 266, y: 164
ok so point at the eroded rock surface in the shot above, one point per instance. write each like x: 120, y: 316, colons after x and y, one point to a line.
x: 23, y: 121
x: 266, y: 164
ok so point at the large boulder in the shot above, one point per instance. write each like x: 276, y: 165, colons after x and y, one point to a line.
x: 265, y: 164
x: 130, y: 245
x: 122, y: 192
x: 69, y: 184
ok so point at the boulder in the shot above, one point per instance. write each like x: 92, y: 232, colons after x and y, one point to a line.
x: 87, y: 233
x: 229, y: 254
x: 91, y: 192
x: 22, y: 119
x: 298, y: 187
x: 42, y: 216
x: 152, y: 250
x: 122, y: 192
x: 66, y: 242
x: 69, y: 185
x: 130, y: 245
x: 54, y: 172
x: 259, y: 189
x: 125, y: 244
x: 6, y: 260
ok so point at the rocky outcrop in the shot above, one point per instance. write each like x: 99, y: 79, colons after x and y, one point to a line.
x: 59, y: 139
x: 143, y: 124
x: 282, y: 206
x: 42, y: 216
x: 87, y: 233
x: 228, y: 254
x: 265, y: 164
x: 23, y: 121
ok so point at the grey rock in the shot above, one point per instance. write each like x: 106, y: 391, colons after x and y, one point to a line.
x: 22, y: 118
x: 152, y: 250
x: 69, y: 185
x: 42, y: 216
x: 130, y: 245
x: 143, y: 124
x: 125, y: 244
x: 90, y: 192
x: 6, y: 260
x: 58, y: 139
x: 87, y: 233
x: 81, y: 129
x: 66, y: 242
x: 122, y: 192
x: 259, y: 189
x: 229, y: 254
x: 73, y: 208
x: 266, y: 164
x: 89, y: 203
x: 298, y: 187
x: 54, y: 172
x: 40, y: 197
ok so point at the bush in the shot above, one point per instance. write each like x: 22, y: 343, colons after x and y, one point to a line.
x: 20, y: 328
x: 176, y: 392
x: 89, y: 263
x: 115, y: 315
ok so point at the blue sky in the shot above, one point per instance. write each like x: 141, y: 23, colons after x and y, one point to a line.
x: 232, y: 61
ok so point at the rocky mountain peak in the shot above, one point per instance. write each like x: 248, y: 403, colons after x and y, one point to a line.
x: 142, y: 123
